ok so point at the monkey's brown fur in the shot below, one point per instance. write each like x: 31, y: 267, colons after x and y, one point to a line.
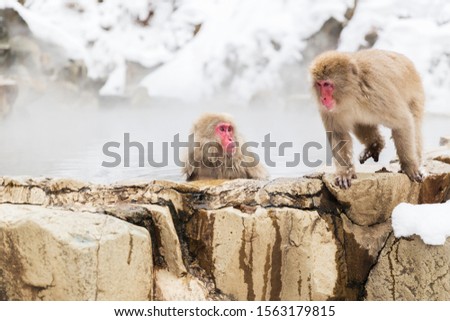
x: 372, y: 87
x: 200, y: 166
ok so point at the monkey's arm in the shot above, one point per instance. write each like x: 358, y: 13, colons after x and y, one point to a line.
x: 190, y: 169
x: 190, y: 172
x: 370, y: 136
x: 342, y: 148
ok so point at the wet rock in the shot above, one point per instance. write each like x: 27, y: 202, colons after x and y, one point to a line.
x: 272, y: 254
x: 219, y: 194
x: 287, y: 239
x: 21, y: 191
x: 441, y: 154
x: 362, y: 246
x: 443, y: 158
x: 436, y: 186
x: 292, y: 192
x: 168, y: 242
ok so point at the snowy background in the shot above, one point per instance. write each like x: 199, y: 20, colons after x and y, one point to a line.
x: 200, y: 48
x: 97, y: 69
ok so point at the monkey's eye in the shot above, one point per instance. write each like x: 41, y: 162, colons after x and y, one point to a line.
x: 222, y: 129
x: 230, y: 129
x: 326, y: 84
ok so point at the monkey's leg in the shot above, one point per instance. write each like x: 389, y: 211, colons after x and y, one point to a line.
x: 418, y: 132
x: 370, y: 136
x: 416, y: 108
x: 405, y: 143
x: 342, y: 148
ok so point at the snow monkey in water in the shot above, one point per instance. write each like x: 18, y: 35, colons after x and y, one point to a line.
x: 218, y: 151
x: 359, y: 91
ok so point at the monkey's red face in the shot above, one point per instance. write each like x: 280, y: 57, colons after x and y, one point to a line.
x: 225, y: 132
x: 325, y: 89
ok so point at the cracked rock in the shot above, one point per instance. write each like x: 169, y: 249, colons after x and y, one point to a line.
x: 409, y: 269
x: 372, y: 197
x: 272, y: 254
x: 285, y: 239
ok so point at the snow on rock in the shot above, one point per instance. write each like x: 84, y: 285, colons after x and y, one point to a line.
x: 430, y: 221
x: 46, y: 30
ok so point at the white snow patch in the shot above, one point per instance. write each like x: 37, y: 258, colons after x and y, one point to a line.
x: 45, y: 30
x: 242, y: 48
x: 430, y: 221
x: 105, y: 35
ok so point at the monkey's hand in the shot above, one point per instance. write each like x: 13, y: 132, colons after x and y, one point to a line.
x: 344, y: 178
x: 373, y: 151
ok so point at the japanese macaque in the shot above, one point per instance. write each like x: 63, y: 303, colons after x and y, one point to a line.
x: 358, y: 91
x: 217, y: 152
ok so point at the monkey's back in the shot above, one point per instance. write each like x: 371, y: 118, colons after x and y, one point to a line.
x: 393, y: 72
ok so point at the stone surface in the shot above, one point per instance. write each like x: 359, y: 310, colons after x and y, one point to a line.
x: 372, y: 197
x: 286, y: 239
x: 51, y: 254
x: 169, y: 287
x: 272, y: 254
x: 362, y: 245
x: 167, y: 241
x: 408, y: 269
x: 293, y: 192
x: 443, y: 158
x: 436, y: 186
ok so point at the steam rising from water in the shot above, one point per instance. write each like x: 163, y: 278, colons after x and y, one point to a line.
x: 58, y: 128
x: 57, y: 136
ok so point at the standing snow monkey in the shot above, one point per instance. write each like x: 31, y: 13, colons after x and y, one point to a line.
x: 358, y: 91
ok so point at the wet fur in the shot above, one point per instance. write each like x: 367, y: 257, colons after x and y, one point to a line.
x: 231, y: 167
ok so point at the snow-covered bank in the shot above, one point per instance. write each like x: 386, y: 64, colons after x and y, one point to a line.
x: 106, y: 35
x: 200, y: 49
x: 430, y: 221
x: 242, y: 48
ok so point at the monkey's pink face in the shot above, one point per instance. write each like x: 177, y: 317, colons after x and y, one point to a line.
x: 225, y: 132
x: 325, y: 89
